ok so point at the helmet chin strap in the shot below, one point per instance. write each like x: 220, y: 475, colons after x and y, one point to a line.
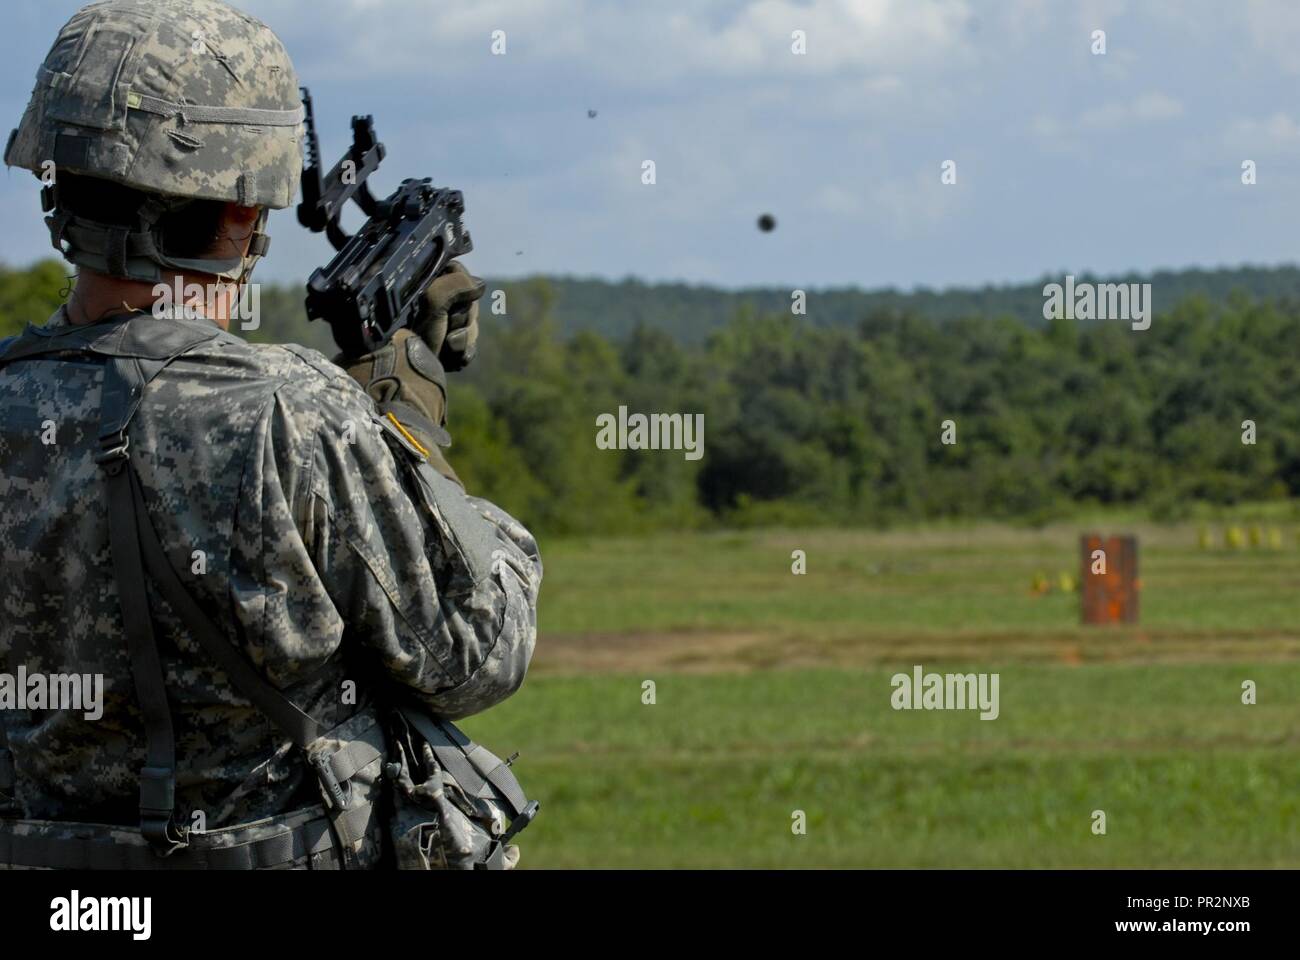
x: 233, y: 272
x: 237, y: 269
x: 258, y: 244
x: 138, y: 252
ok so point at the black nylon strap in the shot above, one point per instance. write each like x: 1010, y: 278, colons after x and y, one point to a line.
x: 124, y: 381
x: 115, y: 251
x: 8, y: 778
x: 135, y: 546
x: 471, y: 765
x: 496, y: 858
x: 292, y: 722
x: 349, y: 821
x: 158, y: 776
x: 146, y: 669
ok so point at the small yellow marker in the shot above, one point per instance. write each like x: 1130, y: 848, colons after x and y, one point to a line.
x: 407, y: 434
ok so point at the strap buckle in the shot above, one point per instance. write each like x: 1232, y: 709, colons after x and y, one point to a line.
x: 521, y: 820
x: 338, y: 797
x: 8, y: 784
x: 113, y: 448
x: 163, y: 835
x: 157, y: 803
x: 495, y: 859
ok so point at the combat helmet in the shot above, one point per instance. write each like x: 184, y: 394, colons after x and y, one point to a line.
x: 183, y: 100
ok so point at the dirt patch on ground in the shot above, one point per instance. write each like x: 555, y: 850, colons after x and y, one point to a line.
x: 686, y: 652
x: 738, y: 652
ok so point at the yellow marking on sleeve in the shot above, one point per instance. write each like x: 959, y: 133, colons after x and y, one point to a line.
x: 407, y: 434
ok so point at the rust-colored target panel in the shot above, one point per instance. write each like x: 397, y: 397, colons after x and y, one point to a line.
x: 1109, y: 579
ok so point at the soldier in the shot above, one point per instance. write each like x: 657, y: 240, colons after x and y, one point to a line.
x: 258, y: 550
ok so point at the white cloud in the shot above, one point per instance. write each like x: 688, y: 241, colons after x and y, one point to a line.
x: 642, y: 43
x: 1274, y: 27
x: 841, y: 144
x: 1278, y: 131
x: 1058, y: 133
x: 1120, y: 114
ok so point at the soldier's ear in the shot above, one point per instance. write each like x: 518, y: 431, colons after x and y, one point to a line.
x: 238, y: 223
x: 238, y: 215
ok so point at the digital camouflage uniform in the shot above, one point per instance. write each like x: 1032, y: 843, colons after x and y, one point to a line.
x: 283, y: 499
x: 271, y: 461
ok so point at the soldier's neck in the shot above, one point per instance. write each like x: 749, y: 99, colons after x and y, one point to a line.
x: 97, y: 296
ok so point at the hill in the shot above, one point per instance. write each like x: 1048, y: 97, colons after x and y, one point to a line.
x: 690, y: 313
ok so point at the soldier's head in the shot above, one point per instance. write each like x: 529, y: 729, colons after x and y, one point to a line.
x: 163, y: 132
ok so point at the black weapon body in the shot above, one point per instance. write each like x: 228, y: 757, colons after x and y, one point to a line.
x: 375, y: 284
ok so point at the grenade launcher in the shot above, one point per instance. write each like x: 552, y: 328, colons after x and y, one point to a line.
x: 374, y: 286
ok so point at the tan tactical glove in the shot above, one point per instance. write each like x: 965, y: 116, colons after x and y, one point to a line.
x: 448, y: 323
x: 409, y: 388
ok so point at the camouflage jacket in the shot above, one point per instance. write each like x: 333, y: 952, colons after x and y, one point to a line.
x: 288, y: 513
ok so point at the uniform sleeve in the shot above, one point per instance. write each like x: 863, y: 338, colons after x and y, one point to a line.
x: 440, y: 586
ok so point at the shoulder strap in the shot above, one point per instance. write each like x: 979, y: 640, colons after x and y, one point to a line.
x: 473, y: 766
x: 123, y: 385
x: 135, y: 350
x: 297, y: 725
x: 140, y: 336
x: 8, y: 778
x: 135, y: 546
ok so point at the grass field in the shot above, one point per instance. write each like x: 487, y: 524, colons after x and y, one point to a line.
x: 773, y: 695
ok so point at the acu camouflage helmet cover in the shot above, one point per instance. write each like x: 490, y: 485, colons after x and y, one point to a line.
x: 184, y: 98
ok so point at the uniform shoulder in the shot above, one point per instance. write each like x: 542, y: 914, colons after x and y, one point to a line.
x: 311, y: 379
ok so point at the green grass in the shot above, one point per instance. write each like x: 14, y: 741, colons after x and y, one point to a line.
x: 1144, y: 723
x: 710, y: 774
x: 928, y: 580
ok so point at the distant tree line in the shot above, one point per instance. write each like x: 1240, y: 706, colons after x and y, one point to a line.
x: 691, y: 313
x: 844, y: 424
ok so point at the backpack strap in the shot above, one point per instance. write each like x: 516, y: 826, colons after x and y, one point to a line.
x: 158, y: 776
x: 293, y: 722
x: 8, y: 778
x: 135, y: 350
x: 474, y: 767
x: 141, y: 550
x: 128, y: 369
x: 136, y: 548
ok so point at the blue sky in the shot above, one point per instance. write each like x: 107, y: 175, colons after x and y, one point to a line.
x: 1066, y: 161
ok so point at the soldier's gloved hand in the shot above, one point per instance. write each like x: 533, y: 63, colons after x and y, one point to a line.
x: 448, y: 320
x: 408, y: 385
